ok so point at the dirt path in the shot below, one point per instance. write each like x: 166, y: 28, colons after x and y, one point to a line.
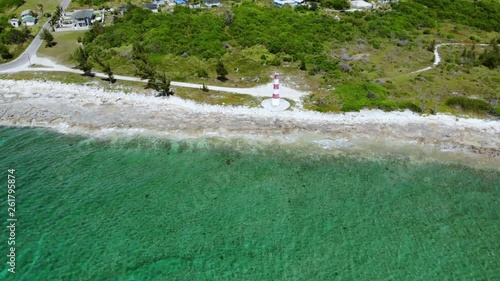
x: 258, y: 91
x: 437, y: 57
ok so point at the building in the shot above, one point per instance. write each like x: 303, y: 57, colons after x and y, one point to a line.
x: 180, y: 2
x: 83, y: 18
x: 152, y: 7
x: 212, y: 3
x: 293, y: 3
x: 26, y: 13
x: 15, y: 22
x: 126, y: 8
x: 29, y: 20
x: 26, y: 18
x: 159, y: 2
x: 361, y: 5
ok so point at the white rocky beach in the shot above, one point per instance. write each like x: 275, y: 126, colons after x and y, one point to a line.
x: 84, y: 110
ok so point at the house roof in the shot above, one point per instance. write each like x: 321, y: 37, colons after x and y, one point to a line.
x: 14, y: 20
x: 212, y: 1
x: 151, y: 6
x: 360, y: 4
x: 281, y: 3
x: 180, y: 1
x: 29, y: 19
x: 126, y: 7
x: 83, y: 14
x: 25, y: 13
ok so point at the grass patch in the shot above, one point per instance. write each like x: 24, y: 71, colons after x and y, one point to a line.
x: 66, y: 44
x: 217, y: 98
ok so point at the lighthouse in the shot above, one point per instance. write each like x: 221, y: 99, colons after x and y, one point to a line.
x: 276, y: 91
x: 275, y: 104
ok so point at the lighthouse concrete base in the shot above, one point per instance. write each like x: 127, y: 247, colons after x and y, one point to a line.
x: 267, y: 104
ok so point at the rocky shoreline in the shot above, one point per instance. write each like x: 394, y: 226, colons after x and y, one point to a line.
x: 86, y: 110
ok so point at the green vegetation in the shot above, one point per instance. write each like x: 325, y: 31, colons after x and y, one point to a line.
x: 66, y: 44
x: 481, y: 14
x: 14, y: 40
x: 336, y: 4
x: 369, y: 52
x: 91, y: 2
x: 4, y: 4
x: 106, y: 68
x: 491, y: 56
x: 48, y: 38
x: 82, y: 59
x: 468, y: 104
x: 161, y: 84
x: 221, y: 71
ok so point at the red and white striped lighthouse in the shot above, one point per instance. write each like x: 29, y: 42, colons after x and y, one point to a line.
x: 276, y: 91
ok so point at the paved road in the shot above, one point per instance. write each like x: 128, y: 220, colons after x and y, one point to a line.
x: 23, y: 60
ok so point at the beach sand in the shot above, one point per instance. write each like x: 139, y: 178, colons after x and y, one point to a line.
x: 84, y: 110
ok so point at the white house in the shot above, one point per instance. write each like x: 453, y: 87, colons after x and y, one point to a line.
x: 293, y: 3
x: 152, y: 7
x: 212, y: 3
x: 15, y: 22
x: 26, y: 13
x: 29, y: 20
x: 357, y: 4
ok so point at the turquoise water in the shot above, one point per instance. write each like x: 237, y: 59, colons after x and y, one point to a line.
x: 149, y: 209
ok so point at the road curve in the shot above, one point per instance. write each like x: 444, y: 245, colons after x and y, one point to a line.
x: 24, y: 60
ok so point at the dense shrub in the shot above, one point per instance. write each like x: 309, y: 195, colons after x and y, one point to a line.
x: 283, y: 32
x: 481, y: 14
x: 354, y: 97
x: 4, y: 52
x: 336, y: 4
x: 409, y: 105
x: 469, y: 104
x: 491, y: 55
x: 16, y: 36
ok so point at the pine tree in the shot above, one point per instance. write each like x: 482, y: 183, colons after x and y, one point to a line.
x: 221, y: 71
x: 47, y: 37
x: 106, y: 68
x: 162, y: 85
x: 82, y: 59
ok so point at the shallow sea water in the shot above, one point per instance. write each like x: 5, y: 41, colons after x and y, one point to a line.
x: 150, y: 209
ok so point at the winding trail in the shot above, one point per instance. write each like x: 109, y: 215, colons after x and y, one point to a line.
x: 437, y: 57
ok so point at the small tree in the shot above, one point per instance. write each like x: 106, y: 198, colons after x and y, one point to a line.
x: 204, y: 88
x: 106, y: 68
x: 221, y: 71
x: 82, y: 59
x: 48, y: 38
x: 431, y: 46
x: 491, y: 56
x: 302, y: 65
x: 40, y: 6
x: 4, y: 52
x: 162, y: 85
